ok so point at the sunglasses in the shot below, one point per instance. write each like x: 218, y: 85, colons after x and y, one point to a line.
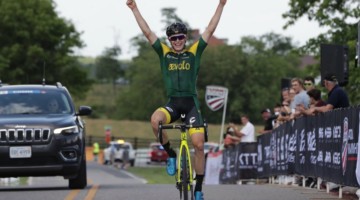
x: 177, y: 37
x: 307, y: 84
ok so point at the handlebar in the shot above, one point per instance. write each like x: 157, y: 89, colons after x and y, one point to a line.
x: 182, y: 127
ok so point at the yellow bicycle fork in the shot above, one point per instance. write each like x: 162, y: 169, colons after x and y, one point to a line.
x: 184, y: 144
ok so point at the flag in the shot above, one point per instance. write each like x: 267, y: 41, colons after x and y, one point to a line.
x: 215, y: 97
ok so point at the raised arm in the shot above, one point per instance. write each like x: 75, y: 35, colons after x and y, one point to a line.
x: 141, y: 22
x: 209, y: 31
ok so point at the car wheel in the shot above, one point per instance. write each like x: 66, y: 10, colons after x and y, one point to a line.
x: 80, y: 181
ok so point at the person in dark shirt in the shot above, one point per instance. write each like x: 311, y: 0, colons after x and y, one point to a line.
x: 315, y: 98
x: 337, y: 97
x: 266, y: 115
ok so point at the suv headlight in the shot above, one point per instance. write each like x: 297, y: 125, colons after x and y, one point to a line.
x: 67, y: 130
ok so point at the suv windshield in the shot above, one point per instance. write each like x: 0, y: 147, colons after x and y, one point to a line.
x: 34, y: 102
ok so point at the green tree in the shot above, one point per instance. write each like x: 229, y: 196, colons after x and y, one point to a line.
x: 108, y: 67
x: 146, y: 91
x: 340, y: 18
x: 36, y: 43
x: 251, y: 71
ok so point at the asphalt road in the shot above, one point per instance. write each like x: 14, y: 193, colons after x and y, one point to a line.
x: 109, y: 183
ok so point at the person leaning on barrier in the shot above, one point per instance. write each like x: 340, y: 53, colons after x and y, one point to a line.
x: 285, y: 112
x: 229, y: 138
x: 268, y: 119
x: 247, y: 133
x: 315, y: 101
x: 301, y: 98
x: 337, y: 97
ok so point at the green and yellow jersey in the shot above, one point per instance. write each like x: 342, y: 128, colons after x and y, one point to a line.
x: 180, y: 70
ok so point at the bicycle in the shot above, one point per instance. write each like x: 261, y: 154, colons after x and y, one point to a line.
x: 184, y: 176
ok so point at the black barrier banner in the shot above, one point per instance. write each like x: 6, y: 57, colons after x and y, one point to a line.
x: 247, y: 160
x: 324, y: 145
x: 321, y: 145
x: 229, y: 172
x: 239, y: 162
x: 350, y: 127
x: 311, y: 151
x: 264, y: 157
x: 299, y: 129
x: 281, y: 150
x: 292, y: 144
x: 332, y: 148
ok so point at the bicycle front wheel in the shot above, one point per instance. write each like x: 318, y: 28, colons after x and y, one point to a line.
x: 185, y: 181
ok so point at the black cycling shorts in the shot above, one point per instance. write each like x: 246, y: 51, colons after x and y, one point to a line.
x: 188, y: 106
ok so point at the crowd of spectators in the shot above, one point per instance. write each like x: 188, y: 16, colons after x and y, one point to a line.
x: 304, y: 98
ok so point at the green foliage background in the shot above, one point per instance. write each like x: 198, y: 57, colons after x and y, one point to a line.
x: 37, y: 44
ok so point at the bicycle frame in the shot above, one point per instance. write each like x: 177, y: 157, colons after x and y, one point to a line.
x: 184, y: 148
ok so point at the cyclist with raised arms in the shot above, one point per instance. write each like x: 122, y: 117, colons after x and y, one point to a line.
x: 179, y: 68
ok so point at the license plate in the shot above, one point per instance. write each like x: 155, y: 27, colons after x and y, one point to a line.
x: 20, y: 152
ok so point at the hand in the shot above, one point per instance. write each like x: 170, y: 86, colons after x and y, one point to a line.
x: 131, y: 4
x: 223, y: 2
x: 312, y: 110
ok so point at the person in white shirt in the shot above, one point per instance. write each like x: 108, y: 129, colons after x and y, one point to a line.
x: 247, y: 133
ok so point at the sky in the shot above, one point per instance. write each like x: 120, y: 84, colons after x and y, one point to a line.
x: 104, y: 23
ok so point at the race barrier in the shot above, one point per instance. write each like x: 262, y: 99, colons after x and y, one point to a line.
x: 239, y: 162
x: 323, y: 146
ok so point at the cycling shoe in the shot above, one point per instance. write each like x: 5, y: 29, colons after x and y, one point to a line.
x: 199, y: 195
x: 171, y: 166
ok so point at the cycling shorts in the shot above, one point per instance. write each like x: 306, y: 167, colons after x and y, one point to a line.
x: 188, y: 106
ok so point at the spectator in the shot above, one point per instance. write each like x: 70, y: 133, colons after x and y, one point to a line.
x: 266, y: 115
x: 96, y: 150
x: 277, y: 111
x: 229, y: 138
x: 285, y: 95
x: 315, y: 98
x: 315, y: 101
x: 309, y: 83
x: 285, y: 113
x: 292, y: 94
x: 337, y: 97
x: 247, y: 133
x: 301, y: 98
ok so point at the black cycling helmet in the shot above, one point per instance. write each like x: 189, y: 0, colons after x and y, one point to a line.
x: 176, y: 28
